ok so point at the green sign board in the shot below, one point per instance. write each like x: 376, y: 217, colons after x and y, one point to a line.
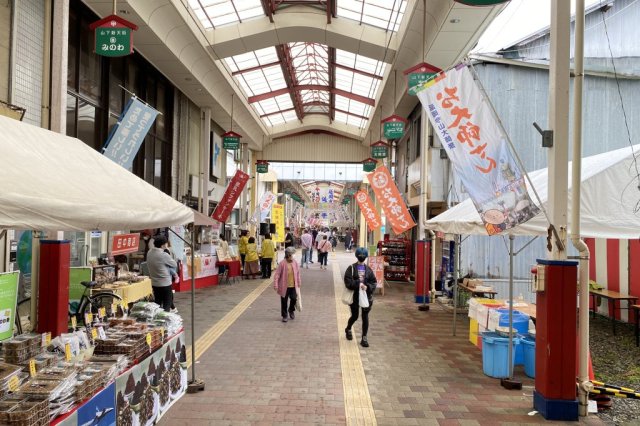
x: 262, y: 167
x: 480, y: 2
x: 113, y: 42
x: 369, y: 166
x: 379, y: 151
x: 8, y: 303
x: 416, y: 80
x: 346, y: 200
x: 230, y: 142
x: 393, y: 129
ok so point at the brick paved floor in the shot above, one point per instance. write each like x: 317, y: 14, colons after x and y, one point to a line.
x: 261, y: 371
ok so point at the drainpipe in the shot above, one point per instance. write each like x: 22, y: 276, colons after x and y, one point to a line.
x: 584, y: 385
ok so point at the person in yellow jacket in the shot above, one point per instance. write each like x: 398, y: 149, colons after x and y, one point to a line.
x: 268, y: 253
x: 252, y: 261
x: 242, y: 246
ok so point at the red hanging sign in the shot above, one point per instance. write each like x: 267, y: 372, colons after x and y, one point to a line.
x: 389, y: 197
x: 231, y: 194
x: 371, y: 215
x: 125, y: 243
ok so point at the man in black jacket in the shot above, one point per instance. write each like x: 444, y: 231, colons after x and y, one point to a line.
x: 359, y: 276
x: 288, y: 239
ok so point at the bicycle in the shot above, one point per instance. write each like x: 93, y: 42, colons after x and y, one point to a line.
x: 23, y: 316
x: 92, y: 303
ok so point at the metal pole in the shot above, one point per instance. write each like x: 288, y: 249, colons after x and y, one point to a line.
x: 193, y: 305
x: 424, y: 306
x: 456, y: 276
x: 510, y: 353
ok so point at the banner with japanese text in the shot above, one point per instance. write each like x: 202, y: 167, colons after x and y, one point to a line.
x: 376, y: 263
x: 478, y: 149
x: 8, y: 301
x: 368, y: 210
x: 231, y: 194
x: 125, y: 243
x: 263, y: 208
x: 390, y: 199
x: 127, y: 135
x: 277, y: 217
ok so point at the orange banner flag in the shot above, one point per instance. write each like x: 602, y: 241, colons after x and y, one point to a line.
x: 374, y: 221
x: 390, y: 199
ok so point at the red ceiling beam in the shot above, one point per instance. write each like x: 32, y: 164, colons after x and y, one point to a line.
x: 268, y: 7
x: 290, y: 77
x: 312, y: 104
x: 331, y: 60
x: 350, y: 113
x: 276, y: 112
x: 348, y: 95
x: 357, y: 71
x: 328, y: 5
x: 257, y: 67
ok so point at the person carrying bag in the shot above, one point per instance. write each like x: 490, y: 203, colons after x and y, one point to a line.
x: 361, y: 280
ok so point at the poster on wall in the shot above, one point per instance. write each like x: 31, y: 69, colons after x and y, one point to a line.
x: 8, y: 301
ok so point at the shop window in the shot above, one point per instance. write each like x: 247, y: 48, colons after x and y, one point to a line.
x: 90, y: 78
x: 89, y: 124
x: 72, y: 109
x: 116, y: 79
x: 157, y: 164
x: 161, y: 106
x: 72, y: 56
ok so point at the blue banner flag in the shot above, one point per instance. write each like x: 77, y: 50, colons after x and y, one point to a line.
x: 127, y: 135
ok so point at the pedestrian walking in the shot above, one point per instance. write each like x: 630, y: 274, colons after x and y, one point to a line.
x: 347, y: 241
x: 251, y: 261
x: 242, y: 245
x: 323, y: 251
x: 307, y: 248
x: 268, y: 253
x: 357, y: 277
x: 286, y: 282
x: 288, y: 239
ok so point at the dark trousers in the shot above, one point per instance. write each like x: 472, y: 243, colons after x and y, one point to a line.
x: 163, y: 296
x: 265, y: 264
x: 322, y: 258
x: 242, y: 256
x: 293, y: 297
x: 354, y: 317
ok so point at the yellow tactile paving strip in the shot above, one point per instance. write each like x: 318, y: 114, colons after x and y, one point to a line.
x: 357, y: 401
x: 210, y: 336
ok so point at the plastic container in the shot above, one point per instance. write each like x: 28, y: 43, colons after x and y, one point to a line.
x: 495, y: 352
x: 500, y: 317
x: 529, y: 351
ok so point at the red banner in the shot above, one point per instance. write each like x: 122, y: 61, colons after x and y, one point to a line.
x: 125, y: 243
x: 231, y: 194
x: 390, y: 199
x: 368, y: 210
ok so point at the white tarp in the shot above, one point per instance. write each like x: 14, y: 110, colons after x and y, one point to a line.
x: 54, y: 182
x: 609, y: 205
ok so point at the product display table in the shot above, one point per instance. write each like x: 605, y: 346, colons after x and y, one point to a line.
x: 132, y: 292
x: 232, y: 269
x: 614, y: 299
x: 478, y: 293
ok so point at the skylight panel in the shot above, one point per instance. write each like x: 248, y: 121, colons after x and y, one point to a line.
x: 217, y: 13
x: 289, y: 116
x: 385, y: 14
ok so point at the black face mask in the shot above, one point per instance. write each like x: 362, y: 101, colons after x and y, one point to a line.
x: 361, y: 258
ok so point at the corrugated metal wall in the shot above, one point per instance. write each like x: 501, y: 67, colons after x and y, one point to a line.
x: 5, y: 45
x: 315, y: 148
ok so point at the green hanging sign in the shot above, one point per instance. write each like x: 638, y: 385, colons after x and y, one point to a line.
x: 231, y: 141
x: 393, y: 127
x: 113, y: 36
x: 369, y: 165
x: 418, y: 75
x: 380, y: 149
x: 262, y: 166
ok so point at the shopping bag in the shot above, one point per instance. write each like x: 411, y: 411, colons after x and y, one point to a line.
x: 298, y: 300
x: 363, y: 299
x: 347, y: 296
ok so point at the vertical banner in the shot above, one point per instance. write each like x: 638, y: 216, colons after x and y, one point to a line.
x: 376, y: 263
x: 368, y: 210
x: 390, y: 199
x: 8, y: 302
x: 231, y: 194
x: 277, y: 217
x: 264, y: 207
x: 478, y: 148
x: 127, y: 135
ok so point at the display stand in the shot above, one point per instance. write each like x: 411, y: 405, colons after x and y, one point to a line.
x: 206, y: 274
x: 397, y: 254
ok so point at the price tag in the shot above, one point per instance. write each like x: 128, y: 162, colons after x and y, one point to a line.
x: 47, y: 338
x: 162, y: 333
x: 43, y: 340
x: 101, y: 333
x: 67, y: 352
x: 74, y: 322
x: 102, y: 312
x: 13, y: 384
x: 94, y: 333
x: 149, y: 339
x: 124, y: 306
x: 32, y: 367
x: 88, y: 319
x: 114, y: 309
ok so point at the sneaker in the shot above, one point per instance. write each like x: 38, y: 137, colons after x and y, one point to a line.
x: 364, y: 342
x: 174, y: 310
x: 348, y: 334
x: 285, y: 319
x: 292, y: 315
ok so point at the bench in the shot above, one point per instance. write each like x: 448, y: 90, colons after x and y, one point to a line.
x: 613, y: 298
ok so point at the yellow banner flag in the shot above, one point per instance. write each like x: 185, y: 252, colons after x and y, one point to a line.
x: 277, y: 217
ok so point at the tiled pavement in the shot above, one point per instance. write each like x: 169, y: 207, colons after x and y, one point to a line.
x: 261, y: 371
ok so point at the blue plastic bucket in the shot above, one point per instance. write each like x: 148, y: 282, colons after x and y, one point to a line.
x: 520, y: 323
x: 495, y: 352
x: 529, y: 349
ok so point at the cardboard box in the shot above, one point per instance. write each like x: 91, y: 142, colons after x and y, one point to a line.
x: 471, y: 282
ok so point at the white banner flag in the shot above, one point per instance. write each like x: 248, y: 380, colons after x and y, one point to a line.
x: 263, y: 208
x: 478, y: 149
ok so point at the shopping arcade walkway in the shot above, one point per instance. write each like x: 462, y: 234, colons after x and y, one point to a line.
x: 261, y: 371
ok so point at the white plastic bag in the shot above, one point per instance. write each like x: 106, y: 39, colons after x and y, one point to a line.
x: 347, y: 296
x: 363, y: 300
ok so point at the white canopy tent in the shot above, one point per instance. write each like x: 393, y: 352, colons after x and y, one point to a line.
x: 609, y: 204
x: 55, y: 182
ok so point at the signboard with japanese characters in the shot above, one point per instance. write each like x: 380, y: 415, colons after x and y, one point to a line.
x: 113, y: 36
x: 231, y: 194
x: 371, y: 215
x: 418, y: 75
x: 369, y: 164
x: 277, y: 217
x: 231, y: 140
x: 376, y: 263
x: 379, y: 149
x: 262, y: 166
x: 390, y: 199
x: 478, y: 149
x: 125, y: 243
x: 393, y: 127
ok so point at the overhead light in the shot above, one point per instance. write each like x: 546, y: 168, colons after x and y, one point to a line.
x: 454, y: 20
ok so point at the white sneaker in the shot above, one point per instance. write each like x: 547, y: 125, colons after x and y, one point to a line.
x: 174, y: 310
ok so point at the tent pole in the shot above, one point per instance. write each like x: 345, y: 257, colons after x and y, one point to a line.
x: 456, y: 276
x: 510, y: 383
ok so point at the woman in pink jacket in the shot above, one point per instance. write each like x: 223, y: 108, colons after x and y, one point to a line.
x: 285, y: 282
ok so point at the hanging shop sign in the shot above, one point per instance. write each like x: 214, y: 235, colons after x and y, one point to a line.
x: 369, y: 165
x: 231, y: 194
x: 393, y: 127
x: 262, y: 166
x: 480, y: 2
x: 380, y: 149
x: 390, y: 199
x: 371, y: 215
x: 231, y: 140
x: 346, y: 200
x: 8, y: 301
x: 113, y: 36
x: 418, y: 75
x: 127, y: 135
x: 125, y: 243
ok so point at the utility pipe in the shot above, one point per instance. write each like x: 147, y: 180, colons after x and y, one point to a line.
x: 585, y: 386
